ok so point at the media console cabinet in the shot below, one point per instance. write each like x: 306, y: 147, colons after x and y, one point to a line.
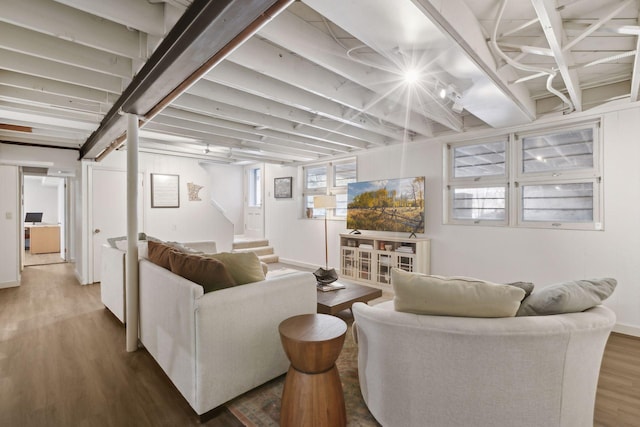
x: 370, y: 258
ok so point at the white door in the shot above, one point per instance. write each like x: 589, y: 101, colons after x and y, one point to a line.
x: 109, y: 210
x: 253, y: 201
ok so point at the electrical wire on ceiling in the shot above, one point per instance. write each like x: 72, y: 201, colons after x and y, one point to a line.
x: 550, y: 72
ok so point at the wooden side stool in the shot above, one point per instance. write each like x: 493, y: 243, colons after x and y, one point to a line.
x: 312, y: 394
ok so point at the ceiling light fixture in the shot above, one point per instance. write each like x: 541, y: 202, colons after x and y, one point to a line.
x: 411, y: 75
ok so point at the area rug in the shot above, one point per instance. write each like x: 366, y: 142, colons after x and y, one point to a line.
x: 261, y: 406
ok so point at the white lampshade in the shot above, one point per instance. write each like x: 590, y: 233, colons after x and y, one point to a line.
x: 326, y: 202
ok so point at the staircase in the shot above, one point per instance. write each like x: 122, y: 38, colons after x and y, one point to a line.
x: 258, y: 246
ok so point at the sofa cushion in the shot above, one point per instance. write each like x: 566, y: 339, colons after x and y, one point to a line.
x: 113, y: 241
x: 143, y: 247
x: 527, y: 287
x: 567, y: 297
x: 244, y: 267
x: 209, y: 273
x: 453, y: 296
x: 158, y: 253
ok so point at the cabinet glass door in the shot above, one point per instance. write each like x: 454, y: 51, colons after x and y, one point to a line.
x: 364, y: 265
x: 383, y: 270
x: 405, y: 262
x: 349, y: 262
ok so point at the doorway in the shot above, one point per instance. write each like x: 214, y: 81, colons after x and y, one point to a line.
x: 253, y: 201
x: 108, y: 217
x: 44, y: 214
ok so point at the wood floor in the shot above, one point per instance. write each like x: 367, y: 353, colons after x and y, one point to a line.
x: 63, y: 363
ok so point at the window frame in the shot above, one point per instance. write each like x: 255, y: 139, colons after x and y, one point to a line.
x: 454, y: 183
x: 330, y: 189
x: 515, y: 179
x: 591, y: 174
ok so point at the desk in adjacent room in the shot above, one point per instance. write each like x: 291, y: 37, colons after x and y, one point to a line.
x: 43, y: 239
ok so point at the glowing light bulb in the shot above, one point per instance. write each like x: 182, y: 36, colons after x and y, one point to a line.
x: 443, y: 93
x: 411, y: 76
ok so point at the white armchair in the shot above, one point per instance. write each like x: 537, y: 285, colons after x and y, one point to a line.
x: 421, y: 370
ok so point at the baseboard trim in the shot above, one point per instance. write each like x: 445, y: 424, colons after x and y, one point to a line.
x: 9, y: 285
x: 627, y: 329
x: 299, y: 264
x: 209, y: 415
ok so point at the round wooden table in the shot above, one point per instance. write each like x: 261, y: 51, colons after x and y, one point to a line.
x: 312, y: 394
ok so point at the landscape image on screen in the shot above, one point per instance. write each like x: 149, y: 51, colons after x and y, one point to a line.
x: 386, y: 205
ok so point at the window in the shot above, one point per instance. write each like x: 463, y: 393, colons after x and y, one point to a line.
x: 328, y: 178
x: 478, y: 182
x: 255, y: 188
x: 550, y: 179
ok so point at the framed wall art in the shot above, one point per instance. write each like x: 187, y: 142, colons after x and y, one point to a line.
x: 165, y: 191
x: 282, y: 187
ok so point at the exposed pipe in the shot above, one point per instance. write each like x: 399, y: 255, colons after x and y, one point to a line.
x: 551, y: 72
x: 238, y: 40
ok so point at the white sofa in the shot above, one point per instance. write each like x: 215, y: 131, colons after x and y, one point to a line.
x: 218, y: 345
x: 421, y: 370
x: 113, y: 272
x: 112, y: 280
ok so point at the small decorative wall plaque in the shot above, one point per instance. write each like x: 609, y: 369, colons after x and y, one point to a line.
x: 194, y: 189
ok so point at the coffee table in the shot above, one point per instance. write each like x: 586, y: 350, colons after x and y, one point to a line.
x: 333, y: 302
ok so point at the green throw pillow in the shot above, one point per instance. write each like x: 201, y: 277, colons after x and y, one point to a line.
x: 244, y: 267
x: 567, y: 297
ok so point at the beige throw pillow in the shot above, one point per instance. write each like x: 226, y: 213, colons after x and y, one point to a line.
x: 244, y: 267
x: 453, y: 296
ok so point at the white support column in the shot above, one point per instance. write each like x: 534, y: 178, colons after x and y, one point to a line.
x: 132, y: 233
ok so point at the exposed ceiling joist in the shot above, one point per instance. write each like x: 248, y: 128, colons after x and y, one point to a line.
x: 51, y: 48
x: 321, y: 79
x: 214, y: 25
x: 241, y: 78
x: 67, y: 23
x: 144, y: 16
x: 26, y: 64
x: 551, y: 22
x: 56, y: 87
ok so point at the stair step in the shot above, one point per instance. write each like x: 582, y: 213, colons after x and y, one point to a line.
x: 269, y: 259
x: 244, y: 244
x: 263, y: 250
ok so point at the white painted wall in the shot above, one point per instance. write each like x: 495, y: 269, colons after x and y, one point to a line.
x: 193, y: 220
x: 9, y: 225
x: 226, y: 191
x: 41, y: 195
x: 499, y: 254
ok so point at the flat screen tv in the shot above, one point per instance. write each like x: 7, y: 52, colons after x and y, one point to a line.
x: 33, y: 217
x: 386, y: 205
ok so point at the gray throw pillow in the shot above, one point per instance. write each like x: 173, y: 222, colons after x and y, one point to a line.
x: 567, y: 297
